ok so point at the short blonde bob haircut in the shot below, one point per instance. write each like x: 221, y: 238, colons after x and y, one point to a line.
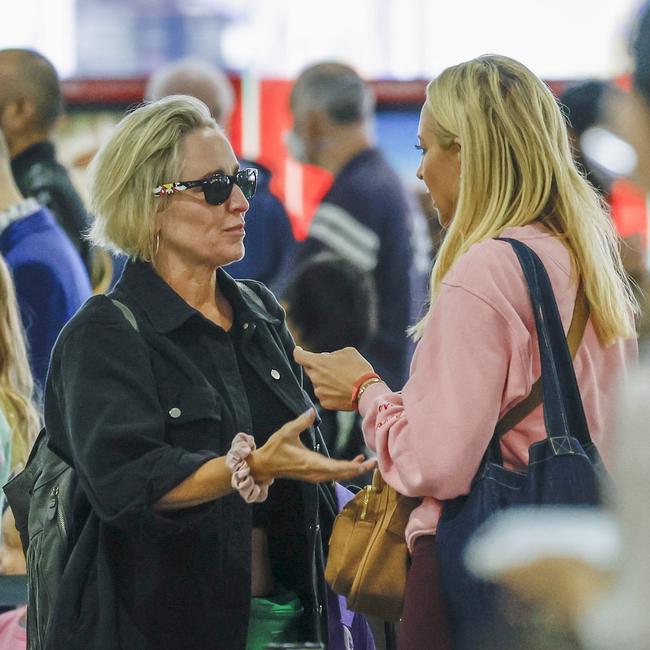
x: 516, y: 169
x: 142, y: 153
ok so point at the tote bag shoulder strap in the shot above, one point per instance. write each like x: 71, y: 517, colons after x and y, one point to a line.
x: 563, y: 409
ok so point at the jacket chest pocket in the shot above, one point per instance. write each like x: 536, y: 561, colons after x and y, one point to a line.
x: 193, y: 419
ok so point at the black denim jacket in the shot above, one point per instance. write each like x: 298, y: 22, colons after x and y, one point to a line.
x: 136, y: 413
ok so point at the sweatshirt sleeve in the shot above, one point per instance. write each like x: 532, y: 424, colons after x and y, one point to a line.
x: 430, y: 438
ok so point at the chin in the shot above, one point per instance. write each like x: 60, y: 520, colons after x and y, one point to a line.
x: 235, y: 256
x: 442, y: 219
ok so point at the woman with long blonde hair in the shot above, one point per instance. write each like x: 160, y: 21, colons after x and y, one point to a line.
x: 19, y: 419
x: 496, y: 161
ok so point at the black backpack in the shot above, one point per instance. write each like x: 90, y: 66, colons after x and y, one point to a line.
x: 40, y: 497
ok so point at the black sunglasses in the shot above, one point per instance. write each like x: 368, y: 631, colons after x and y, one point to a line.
x: 216, y: 188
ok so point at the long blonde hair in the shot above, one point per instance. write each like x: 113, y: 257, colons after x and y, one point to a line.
x: 16, y: 384
x: 516, y: 169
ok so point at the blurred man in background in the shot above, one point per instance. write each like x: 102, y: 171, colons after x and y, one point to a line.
x: 30, y: 105
x: 587, y: 106
x: 50, y: 279
x: 366, y: 217
x: 269, y: 239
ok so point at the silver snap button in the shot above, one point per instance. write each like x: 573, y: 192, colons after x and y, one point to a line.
x: 175, y: 412
x: 275, y: 374
x: 245, y: 326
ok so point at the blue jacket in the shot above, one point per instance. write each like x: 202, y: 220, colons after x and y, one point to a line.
x: 269, y: 240
x: 51, y: 282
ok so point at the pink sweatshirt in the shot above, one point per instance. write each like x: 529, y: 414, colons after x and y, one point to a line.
x: 477, y: 358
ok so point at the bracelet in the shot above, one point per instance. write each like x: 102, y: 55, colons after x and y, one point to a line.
x: 241, y: 448
x: 359, y: 385
x: 366, y: 384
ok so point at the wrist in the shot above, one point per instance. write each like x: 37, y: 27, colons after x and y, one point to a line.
x: 258, y: 466
x: 366, y: 384
x: 361, y: 384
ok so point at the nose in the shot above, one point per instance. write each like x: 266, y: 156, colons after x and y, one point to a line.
x: 237, y: 201
x: 418, y: 172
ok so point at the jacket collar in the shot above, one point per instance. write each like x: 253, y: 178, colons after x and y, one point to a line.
x: 38, y: 152
x: 167, y: 311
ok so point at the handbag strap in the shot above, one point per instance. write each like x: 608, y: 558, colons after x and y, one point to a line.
x: 564, y: 414
x: 574, y: 338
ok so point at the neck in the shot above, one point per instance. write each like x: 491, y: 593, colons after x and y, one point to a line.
x: 9, y: 193
x: 196, y: 285
x: 20, y: 142
x: 342, y: 146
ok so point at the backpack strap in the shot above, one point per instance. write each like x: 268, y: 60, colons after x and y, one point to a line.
x: 574, y: 338
x: 128, y: 314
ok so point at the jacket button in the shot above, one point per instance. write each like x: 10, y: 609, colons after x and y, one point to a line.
x: 275, y: 374
x: 245, y: 326
x: 175, y: 412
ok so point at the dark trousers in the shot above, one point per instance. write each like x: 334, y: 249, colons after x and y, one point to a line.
x: 424, y: 624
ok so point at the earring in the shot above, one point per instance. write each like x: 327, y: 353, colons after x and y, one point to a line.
x: 157, y: 247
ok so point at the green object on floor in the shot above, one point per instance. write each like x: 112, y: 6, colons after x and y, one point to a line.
x: 273, y: 619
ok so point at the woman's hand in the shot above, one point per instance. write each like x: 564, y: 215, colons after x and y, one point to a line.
x: 333, y: 375
x: 284, y: 456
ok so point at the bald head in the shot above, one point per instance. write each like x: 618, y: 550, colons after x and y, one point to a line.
x: 28, y: 75
x: 198, y: 79
x: 336, y: 90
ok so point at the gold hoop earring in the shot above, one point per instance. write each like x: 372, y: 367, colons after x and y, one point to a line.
x: 157, y: 247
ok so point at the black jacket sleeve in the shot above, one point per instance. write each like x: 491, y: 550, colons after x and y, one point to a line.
x: 104, y: 417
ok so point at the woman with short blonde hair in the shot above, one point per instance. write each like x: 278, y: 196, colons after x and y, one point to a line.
x: 177, y: 403
x: 144, y: 150
x: 496, y: 162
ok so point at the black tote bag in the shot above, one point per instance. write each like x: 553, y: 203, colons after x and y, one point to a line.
x: 564, y: 469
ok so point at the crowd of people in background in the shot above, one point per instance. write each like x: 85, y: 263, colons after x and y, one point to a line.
x: 297, y: 323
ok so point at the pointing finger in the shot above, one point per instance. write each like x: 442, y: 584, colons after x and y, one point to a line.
x: 304, y: 358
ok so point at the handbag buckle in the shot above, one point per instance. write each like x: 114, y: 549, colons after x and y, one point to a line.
x: 366, y: 498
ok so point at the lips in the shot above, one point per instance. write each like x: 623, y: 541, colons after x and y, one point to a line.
x: 236, y: 229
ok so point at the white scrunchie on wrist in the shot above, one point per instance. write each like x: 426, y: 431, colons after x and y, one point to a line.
x: 241, y: 448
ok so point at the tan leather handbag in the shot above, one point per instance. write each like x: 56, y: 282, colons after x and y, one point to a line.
x: 368, y: 559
